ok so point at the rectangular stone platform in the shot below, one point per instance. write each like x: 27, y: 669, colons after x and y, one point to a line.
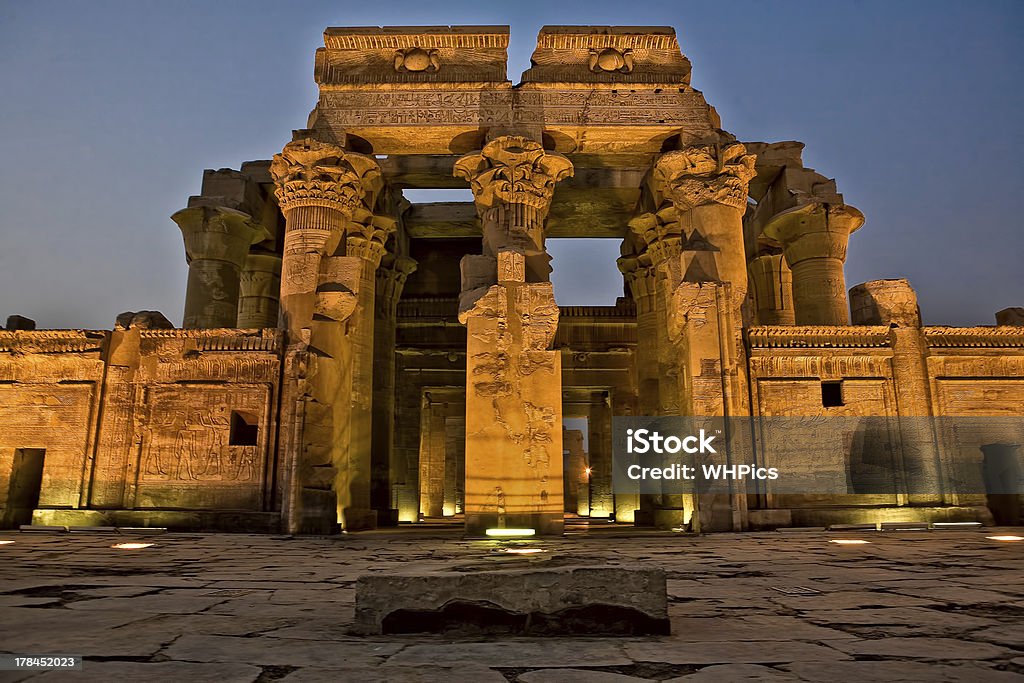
x: 557, y: 601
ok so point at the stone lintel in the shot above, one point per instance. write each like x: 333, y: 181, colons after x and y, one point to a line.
x: 412, y: 55
x: 562, y: 601
x: 588, y: 55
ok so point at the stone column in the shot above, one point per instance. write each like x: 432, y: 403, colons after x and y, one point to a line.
x: 323, y: 190
x: 514, y: 387
x: 640, y: 278
x: 217, y: 241
x: 771, y: 281
x: 894, y: 303
x: 260, y: 291
x: 662, y: 236
x: 706, y: 185
x: 814, y: 236
x: 454, y: 443
x: 432, y: 458
x: 599, y: 440
x: 365, y: 241
x: 391, y: 276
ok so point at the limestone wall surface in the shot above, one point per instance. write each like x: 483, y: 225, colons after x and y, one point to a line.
x: 134, y: 423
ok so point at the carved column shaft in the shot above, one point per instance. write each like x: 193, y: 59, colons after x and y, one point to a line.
x: 260, y: 291
x: 432, y: 460
x: 703, y: 284
x: 641, y: 280
x: 771, y: 282
x: 217, y: 240
x: 387, y: 469
x: 894, y: 303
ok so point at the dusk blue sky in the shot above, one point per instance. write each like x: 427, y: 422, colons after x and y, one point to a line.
x: 110, y: 111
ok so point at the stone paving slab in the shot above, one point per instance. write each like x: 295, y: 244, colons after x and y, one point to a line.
x: 205, y: 607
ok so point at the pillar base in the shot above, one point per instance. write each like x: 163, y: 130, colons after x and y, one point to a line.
x: 355, y: 519
x: 388, y: 517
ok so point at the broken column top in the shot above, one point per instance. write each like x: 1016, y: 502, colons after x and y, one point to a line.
x: 885, y: 302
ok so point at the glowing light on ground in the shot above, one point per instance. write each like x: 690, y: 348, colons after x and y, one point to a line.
x: 849, y: 541
x: 131, y: 546
x: 1005, y: 538
x: 522, y: 551
x: 6, y: 542
x: 505, y: 533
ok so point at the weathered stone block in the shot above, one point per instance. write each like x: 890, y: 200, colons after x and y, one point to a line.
x: 20, y: 322
x: 1008, y: 316
x: 563, y: 601
x: 143, y: 320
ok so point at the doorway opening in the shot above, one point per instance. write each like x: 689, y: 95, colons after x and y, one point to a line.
x: 25, y: 485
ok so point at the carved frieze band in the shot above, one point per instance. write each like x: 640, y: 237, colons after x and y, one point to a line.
x: 50, y: 341
x: 976, y: 337
x: 818, y: 336
x: 474, y: 107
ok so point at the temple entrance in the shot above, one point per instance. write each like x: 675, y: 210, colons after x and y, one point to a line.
x: 25, y: 484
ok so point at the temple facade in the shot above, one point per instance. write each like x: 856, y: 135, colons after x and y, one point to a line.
x: 351, y: 360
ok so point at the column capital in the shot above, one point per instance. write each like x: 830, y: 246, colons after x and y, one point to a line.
x: 662, y: 234
x: 367, y: 236
x: 814, y: 229
x: 391, y: 277
x: 641, y: 279
x: 218, y: 233
x: 309, y: 172
x: 513, y: 170
x: 715, y: 173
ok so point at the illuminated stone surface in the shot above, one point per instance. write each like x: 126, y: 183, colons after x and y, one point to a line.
x: 350, y: 360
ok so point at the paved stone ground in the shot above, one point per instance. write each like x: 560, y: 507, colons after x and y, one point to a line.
x: 910, y: 606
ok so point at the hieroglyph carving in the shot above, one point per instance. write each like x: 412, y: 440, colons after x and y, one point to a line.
x: 705, y: 174
x: 196, y: 450
x: 186, y: 436
x: 313, y: 173
x: 495, y: 107
x: 523, y: 320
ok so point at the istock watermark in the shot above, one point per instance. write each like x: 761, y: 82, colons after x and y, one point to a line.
x: 874, y: 455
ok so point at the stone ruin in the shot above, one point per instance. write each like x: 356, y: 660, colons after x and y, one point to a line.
x: 351, y: 360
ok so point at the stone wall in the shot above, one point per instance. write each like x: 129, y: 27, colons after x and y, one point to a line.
x: 144, y: 426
